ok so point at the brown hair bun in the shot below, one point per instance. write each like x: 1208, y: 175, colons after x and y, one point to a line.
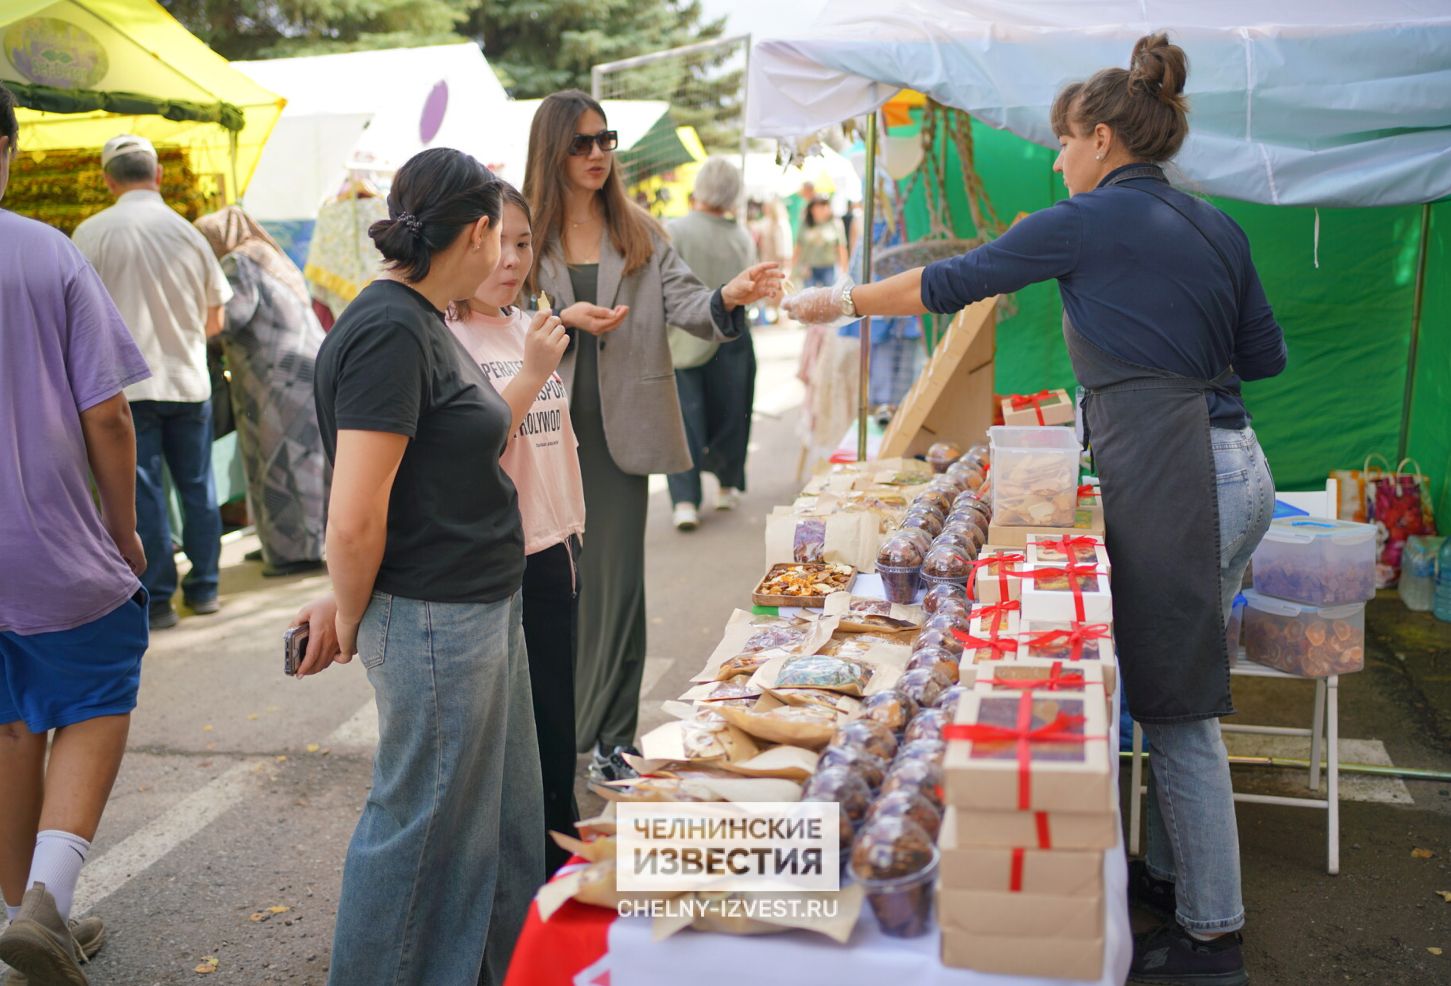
x: 1158, y: 68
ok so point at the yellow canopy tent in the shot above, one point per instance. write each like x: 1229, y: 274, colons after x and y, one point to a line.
x: 86, y: 70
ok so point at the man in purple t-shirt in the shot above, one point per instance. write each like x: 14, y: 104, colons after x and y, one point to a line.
x: 73, y: 615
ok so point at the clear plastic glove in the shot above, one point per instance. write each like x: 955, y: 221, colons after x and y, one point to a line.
x: 817, y: 306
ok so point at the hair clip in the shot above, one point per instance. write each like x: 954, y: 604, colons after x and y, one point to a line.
x: 414, y: 224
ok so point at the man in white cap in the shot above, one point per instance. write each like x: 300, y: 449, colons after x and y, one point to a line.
x: 170, y: 290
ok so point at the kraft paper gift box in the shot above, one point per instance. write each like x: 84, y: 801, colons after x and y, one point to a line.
x: 1085, y: 521
x: 1034, y: 751
x: 1077, y: 645
x: 1046, y: 407
x: 1085, y: 549
x: 998, y: 912
x: 1057, y: 593
x: 995, y: 618
x: 1039, y: 956
x: 995, y: 577
x: 1022, y: 674
x: 1018, y: 871
x: 1094, y: 828
x: 983, y: 649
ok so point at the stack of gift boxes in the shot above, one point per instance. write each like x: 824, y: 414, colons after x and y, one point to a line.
x: 1029, y: 776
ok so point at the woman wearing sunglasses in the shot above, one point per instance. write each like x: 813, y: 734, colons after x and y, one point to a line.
x: 596, y: 245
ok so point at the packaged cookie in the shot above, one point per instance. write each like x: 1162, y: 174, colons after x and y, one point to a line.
x: 978, y: 455
x: 951, y: 699
x: 926, y: 520
x: 958, y: 539
x: 895, y: 861
x: 907, y: 801
x: 948, y: 621
x: 899, y: 563
x: 871, y: 769
x: 927, y: 724
x: 935, y: 659
x: 835, y: 674
x: 966, y: 475
x: 919, y: 776
x: 931, y: 750
x: 871, y: 735
x: 946, y: 564
x: 943, y: 593
x: 941, y: 455
x: 892, y: 709
x: 923, y: 687
x: 939, y: 499
x: 943, y: 639
x: 847, y: 789
x: 972, y: 526
x: 917, y: 536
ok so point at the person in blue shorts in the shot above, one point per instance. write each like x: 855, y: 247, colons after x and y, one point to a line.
x: 73, y: 615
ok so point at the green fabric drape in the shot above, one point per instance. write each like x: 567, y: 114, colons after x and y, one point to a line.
x: 52, y: 100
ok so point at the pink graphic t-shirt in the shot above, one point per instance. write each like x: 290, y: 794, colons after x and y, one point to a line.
x: 543, y: 458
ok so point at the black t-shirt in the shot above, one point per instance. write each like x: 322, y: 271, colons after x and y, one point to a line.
x: 390, y: 364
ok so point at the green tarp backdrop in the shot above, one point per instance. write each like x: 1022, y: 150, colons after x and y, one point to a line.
x: 1348, y: 323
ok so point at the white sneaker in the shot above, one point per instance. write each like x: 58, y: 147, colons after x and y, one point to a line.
x: 687, y: 518
x: 729, y: 498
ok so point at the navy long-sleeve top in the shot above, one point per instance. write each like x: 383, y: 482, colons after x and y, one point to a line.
x: 1137, y: 281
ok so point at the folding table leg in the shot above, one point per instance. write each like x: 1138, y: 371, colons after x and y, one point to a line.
x: 1332, y: 722
x: 1317, y: 731
x: 1136, y: 776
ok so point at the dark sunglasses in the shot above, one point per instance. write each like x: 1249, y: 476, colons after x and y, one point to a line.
x: 607, y: 140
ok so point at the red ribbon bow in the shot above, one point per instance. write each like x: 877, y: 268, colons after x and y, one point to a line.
x: 1075, y: 638
x: 1060, y: 730
x: 1070, y: 545
x: 1035, y: 401
x: 998, y: 645
x: 1088, y: 489
x: 998, y: 611
x: 1057, y: 680
x: 1071, y: 572
x: 1001, y: 561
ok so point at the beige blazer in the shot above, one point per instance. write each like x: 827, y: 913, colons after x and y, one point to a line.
x: 640, y: 404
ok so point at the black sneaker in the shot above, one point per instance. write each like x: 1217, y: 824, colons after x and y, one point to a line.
x: 1149, y: 892
x: 1171, y: 956
x: 612, y: 766
x: 164, y: 617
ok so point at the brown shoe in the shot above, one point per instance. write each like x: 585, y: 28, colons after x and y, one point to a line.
x: 40, y: 946
x: 90, y: 935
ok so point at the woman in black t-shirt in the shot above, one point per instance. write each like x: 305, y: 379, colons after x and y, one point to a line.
x: 426, y: 553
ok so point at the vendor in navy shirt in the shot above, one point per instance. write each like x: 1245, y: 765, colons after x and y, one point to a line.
x: 1164, y: 316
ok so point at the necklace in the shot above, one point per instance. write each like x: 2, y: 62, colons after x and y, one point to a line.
x: 583, y: 222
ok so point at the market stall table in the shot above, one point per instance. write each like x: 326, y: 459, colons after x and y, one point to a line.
x: 582, y: 945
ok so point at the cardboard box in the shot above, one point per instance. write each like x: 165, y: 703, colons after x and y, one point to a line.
x: 1000, y: 622
x: 1047, y: 407
x: 1039, y: 956
x: 1054, y: 872
x: 998, y: 912
x: 1044, y: 829
x: 1049, y: 597
x: 1068, y: 767
x: 1019, y: 674
x: 995, y: 577
x: 1045, y: 641
x: 952, y: 398
x: 1085, y: 521
x: 992, y: 649
x: 1086, y: 549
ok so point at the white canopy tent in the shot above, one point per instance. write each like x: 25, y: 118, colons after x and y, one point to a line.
x: 440, y: 92
x: 1297, y: 102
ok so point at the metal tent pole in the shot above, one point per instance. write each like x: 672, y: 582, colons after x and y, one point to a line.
x: 1415, y: 332
x: 864, y: 335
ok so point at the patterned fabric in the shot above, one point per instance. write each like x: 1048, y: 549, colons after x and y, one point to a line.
x: 341, y: 258
x: 271, y: 340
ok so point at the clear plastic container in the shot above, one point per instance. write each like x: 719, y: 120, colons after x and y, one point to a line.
x: 1320, y: 562
x: 1313, y: 641
x: 1035, y: 476
x: 1417, y: 587
x: 1232, y: 628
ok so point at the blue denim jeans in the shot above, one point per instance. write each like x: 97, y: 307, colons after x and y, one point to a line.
x: 715, y: 403
x: 1193, y: 838
x: 450, y: 847
x: 176, y: 437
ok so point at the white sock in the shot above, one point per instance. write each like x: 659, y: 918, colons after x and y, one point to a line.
x: 57, y: 864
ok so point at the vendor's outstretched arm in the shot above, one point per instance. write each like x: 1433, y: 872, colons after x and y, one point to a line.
x: 900, y: 294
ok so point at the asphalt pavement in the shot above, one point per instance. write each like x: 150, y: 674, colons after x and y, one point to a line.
x: 220, y: 856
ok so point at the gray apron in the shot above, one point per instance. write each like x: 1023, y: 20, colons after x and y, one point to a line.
x: 1148, y: 430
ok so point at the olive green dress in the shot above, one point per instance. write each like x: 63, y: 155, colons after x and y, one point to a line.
x: 610, y: 659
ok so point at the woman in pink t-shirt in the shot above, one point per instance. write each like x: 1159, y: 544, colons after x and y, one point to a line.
x: 519, y: 353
